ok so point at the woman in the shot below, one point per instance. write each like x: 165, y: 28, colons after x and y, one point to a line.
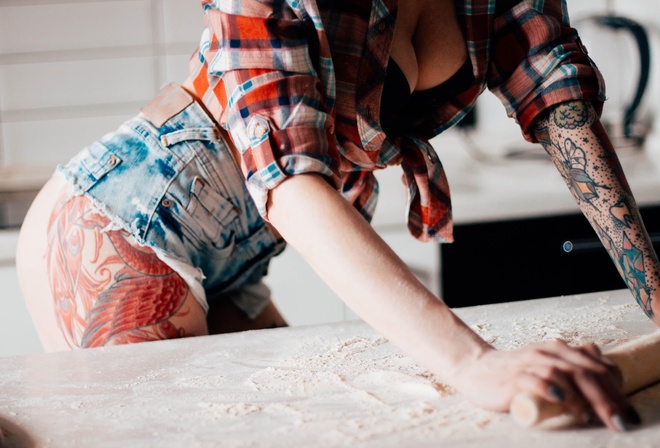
x: 153, y: 232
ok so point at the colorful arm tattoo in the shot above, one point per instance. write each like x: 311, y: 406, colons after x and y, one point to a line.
x: 576, y: 141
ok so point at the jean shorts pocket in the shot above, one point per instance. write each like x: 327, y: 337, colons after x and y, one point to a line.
x: 215, y: 204
x: 214, y: 215
x: 98, y: 161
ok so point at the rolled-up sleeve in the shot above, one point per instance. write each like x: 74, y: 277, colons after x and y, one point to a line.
x: 538, y: 60
x: 262, y: 72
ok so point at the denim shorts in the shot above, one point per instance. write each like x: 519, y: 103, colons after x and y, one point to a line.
x: 168, y: 177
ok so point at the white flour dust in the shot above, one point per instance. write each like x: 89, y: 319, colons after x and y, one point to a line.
x: 576, y: 325
x: 368, y: 391
x: 362, y: 387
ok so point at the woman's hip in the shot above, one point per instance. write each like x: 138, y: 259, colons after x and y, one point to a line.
x: 168, y: 178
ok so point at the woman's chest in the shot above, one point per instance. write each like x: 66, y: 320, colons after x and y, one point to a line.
x: 428, y: 43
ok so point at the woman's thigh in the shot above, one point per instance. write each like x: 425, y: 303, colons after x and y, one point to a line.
x: 97, y: 285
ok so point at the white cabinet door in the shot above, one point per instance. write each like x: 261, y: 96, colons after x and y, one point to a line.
x: 301, y: 296
x: 304, y: 299
x: 17, y: 333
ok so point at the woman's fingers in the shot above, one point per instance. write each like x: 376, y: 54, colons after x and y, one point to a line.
x: 615, y: 372
x: 555, y: 385
x: 601, y: 388
x: 585, y: 357
x: 606, y: 400
x: 586, y: 380
x: 581, y: 378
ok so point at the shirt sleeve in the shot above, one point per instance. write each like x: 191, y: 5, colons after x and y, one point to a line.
x: 261, y: 75
x: 538, y: 60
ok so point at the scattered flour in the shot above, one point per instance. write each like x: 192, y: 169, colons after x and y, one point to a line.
x: 370, y: 393
x: 325, y: 386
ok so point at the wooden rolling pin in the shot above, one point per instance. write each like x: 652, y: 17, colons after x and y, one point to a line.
x: 639, y: 363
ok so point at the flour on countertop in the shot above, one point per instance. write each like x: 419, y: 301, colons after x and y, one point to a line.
x: 391, y: 395
x: 324, y: 386
x: 575, y: 325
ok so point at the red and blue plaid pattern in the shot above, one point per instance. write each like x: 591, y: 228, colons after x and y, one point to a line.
x: 297, y: 83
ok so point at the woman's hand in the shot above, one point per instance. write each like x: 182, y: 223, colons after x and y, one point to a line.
x: 354, y: 261
x: 581, y: 378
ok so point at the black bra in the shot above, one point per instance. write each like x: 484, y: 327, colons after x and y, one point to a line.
x: 400, y: 109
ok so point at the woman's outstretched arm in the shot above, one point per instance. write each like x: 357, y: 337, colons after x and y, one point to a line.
x: 580, y: 148
x: 357, y: 264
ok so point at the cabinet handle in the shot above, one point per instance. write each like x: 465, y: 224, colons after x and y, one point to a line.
x: 593, y: 244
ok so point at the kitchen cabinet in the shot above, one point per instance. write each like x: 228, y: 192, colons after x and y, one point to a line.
x: 17, y: 333
x: 304, y: 299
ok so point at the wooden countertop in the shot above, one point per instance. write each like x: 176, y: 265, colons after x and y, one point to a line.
x: 329, y: 385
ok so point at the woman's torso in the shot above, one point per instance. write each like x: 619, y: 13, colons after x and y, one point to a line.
x: 428, y: 45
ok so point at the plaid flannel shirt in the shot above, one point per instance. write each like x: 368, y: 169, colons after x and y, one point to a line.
x: 297, y: 83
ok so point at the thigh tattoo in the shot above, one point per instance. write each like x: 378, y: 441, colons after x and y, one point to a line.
x: 106, y: 288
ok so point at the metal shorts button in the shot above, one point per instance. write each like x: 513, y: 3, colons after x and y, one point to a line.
x: 167, y: 203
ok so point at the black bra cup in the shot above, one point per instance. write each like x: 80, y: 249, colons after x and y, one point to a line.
x: 400, y: 109
x: 396, y: 93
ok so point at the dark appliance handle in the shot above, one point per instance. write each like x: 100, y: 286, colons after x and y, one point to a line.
x: 588, y: 245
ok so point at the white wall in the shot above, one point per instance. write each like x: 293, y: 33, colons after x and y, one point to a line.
x: 71, y: 70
